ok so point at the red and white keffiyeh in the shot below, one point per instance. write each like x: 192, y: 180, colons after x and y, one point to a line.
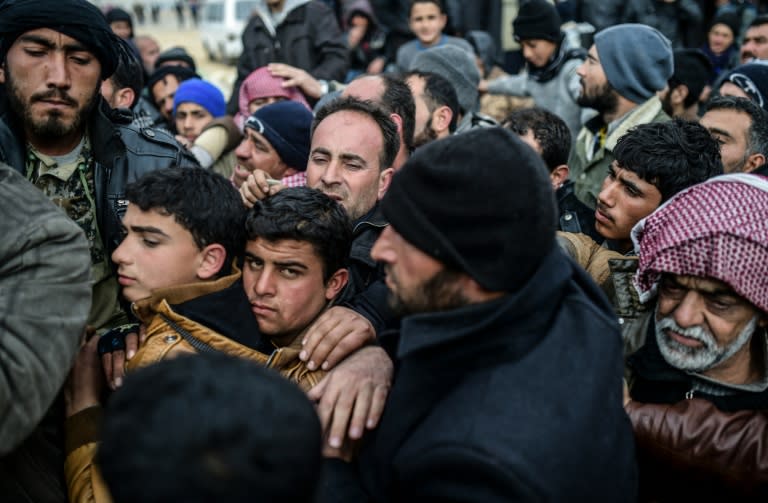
x: 717, y: 229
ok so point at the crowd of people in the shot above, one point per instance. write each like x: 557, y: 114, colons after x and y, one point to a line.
x: 388, y: 266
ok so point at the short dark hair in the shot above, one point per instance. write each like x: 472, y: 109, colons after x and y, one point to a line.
x: 129, y: 73
x: 398, y: 98
x: 210, y: 427
x: 366, y: 107
x: 439, y: 91
x: 307, y: 215
x: 693, y: 70
x: 203, y: 202
x: 439, y: 4
x: 757, y: 135
x: 670, y: 155
x: 548, y: 129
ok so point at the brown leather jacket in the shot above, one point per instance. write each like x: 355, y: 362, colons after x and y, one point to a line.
x: 169, y: 334
x: 694, y: 438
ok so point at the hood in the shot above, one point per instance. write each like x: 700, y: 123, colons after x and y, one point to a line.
x: 271, y: 21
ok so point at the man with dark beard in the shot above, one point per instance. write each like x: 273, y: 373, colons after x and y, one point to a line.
x: 61, y: 135
x: 508, y: 357
x: 437, y: 106
x: 625, y: 68
x: 698, y: 382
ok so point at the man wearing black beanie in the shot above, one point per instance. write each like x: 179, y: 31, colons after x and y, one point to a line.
x: 509, y: 361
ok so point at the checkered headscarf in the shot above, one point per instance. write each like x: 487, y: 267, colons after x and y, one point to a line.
x: 717, y: 229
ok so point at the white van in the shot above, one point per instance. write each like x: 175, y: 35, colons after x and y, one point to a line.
x: 221, y: 27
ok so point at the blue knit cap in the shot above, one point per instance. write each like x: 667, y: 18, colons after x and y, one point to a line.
x: 286, y: 126
x: 203, y: 93
x: 637, y: 60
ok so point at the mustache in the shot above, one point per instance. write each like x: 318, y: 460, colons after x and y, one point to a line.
x: 603, y: 210
x: 696, y: 332
x: 55, y: 94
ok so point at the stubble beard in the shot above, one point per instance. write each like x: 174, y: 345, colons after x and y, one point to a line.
x: 53, y: 126
x: 439, y: 293
x: 604, y: 100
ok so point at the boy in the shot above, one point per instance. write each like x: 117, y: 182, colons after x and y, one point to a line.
x: 427, y: 20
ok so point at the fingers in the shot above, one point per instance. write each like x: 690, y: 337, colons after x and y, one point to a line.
x: 360, y: 411
x: 333, y: 336
x: 340, y: 416
x: 376, y: 409
x: 131, y: 345
x: 326, y: 406
x: 118, y: 369
x: 142, y: 333
x: 106, y: 364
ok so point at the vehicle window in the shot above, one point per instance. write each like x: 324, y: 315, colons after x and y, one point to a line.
x: 244, y: 9
x: 214, y: 12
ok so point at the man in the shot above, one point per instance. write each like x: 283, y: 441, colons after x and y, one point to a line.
x: 276, y: 141
x: 196, y: 103
x: 395, y: 97
x: 548, y: 135
x: 162, y: 86
x: 57, y: 132
x: 700, y: 331
x: 653, y: 162
x: 183, y: 229
x: 459, y: 68
x: 755, y: 43
x: 123, y: 88
x: 437, y: 106
x: 149, y: 50
x: 481, y: 335
x: 625, y: 67
x: 747, y: 81
x: 354, y: 144
x: 740, y: 126
x: 276, y: 457
x: 46, y: 295
x: 691, y: 75
x: 551, y: 60
x: 302, y: 33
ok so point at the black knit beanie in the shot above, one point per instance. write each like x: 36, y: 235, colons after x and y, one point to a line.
x: 480, y: 202
x: 537, y: 19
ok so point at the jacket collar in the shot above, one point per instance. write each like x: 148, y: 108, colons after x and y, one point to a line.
x: 524, y: 313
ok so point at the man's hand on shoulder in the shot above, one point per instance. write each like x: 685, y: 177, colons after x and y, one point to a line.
x: 351, y: 398
x: 335, y: 334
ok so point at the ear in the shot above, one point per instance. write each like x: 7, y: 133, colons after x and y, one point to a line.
x: 289, y: 172
x: 336, y: 283
x: 441, y: 119
x: 398, y: 122
x: 125, y: 97
x: 559, y: 175
x: 754, y: 161
x: 2, y: 74
x: 443, y: 21
x: 385, y: 178
x: 212, y: 259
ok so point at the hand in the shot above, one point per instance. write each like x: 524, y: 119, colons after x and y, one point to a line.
x: 86, y: 380
x: 183, y: 141
x: 627, y: 398
x: 335, y: 334
x: 257, y: 186
x: 240, y: 175
x: 482, y: 86
x: 114, y: 361
x: 376, y: 66
x: 296, y: 77
x: 351, y: 397
x: 355, y: 34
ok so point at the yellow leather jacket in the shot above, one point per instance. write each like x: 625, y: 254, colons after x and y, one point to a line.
x: 169, y: 334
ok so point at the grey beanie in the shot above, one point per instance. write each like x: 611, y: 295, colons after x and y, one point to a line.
x: 637, y: 60
x: 457, y: 66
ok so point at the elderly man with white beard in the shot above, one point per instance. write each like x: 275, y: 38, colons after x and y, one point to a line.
x: 698, y: 384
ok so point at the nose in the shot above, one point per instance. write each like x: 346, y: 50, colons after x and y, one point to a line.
x: 332, y: 173
x: 121, y: 256
x: 580, y: 70
x: 264, y: 286
x: 58, y: 74
x: 688, y: 313
x: 527, y: 53
x: 243, y: 151
x: 606, y: 195
x: 382, y: 251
